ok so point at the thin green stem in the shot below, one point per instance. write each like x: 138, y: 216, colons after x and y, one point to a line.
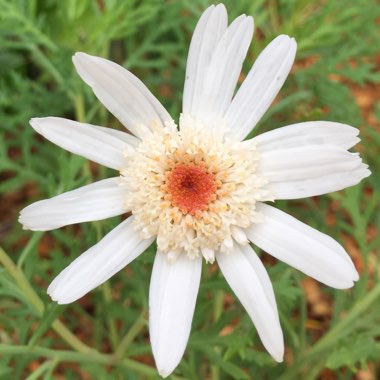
x: 36, y: 302
x: 114, y: 338
x: 303, y: 317
x: 78, y: 357
x: 131, y: 335
x: 70, y: 338
x: 336, y: 333
x: 217, y: 312
x: 43, y: 368
x: 218, y: 305
x: 315, y: 370
x: 21, y: 281
x: 80, y: 112
x: 274, y: 15
x: 29, y: 247
x: 341, y: 327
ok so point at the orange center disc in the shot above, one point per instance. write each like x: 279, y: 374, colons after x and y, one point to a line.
x: 191, y: 187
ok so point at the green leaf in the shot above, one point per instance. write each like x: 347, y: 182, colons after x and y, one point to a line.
x: 50, y: 315
x: 356, y: 349
x: 227, y: 366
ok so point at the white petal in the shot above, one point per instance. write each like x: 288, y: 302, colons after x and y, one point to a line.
x: 261, y: 273
x: 208, y: 254
x: 303, y: 247
x: 99, y: 200
x: 206, y: 36
x: 261, y: 86
x: 319, y: 185
x: 102, y: 145
x: 248, y: 279
x: 306, y: 134
x: 99, y: 263
x: 122, y: 93
x: 239, y: 235
x: 310, y: 170
x: 213, y: 99
x: 172, y: 296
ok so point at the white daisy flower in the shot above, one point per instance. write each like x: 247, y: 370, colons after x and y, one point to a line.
x: 199, y: 189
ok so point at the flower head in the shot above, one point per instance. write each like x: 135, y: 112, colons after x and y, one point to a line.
x: 199, y: 189
x: 193, y: 189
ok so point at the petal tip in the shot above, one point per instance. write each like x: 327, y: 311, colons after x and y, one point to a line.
x: 277, y: 350
x: 79, y: 55
x: 35, y: 123
x: 282, y: 38
x: 220, y: 6
x: 53, y: 298
x: 279, y: 359
x: 347, y: 284
x: 20, y: 220
x: 61, y: 300
x: 49, y: 291
x: 24, y: 226
x: 356, y: 276
x: 367, y: 172
x: 164, y: 373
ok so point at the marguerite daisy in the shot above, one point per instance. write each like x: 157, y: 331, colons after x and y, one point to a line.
x: 199, y: 189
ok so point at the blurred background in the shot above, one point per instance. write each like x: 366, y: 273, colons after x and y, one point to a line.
x: 329, y: 334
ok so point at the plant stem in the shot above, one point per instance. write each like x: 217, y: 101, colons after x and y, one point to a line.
x: 217, y: 312
x: 274, y: 15
x: 80, y: 113
x: 110, y: 321
x: 79, y: 357
x: 29, y: 247
x: 218, y: 305
x: 131, y: 335
x: 336, y: 333
x: 37, y: 303
x: 21, y: 281
x: 43, y: 368
x: 355, y: 313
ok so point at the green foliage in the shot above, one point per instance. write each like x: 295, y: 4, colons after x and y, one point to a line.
x: 105, y: 336
x: 357, y: 349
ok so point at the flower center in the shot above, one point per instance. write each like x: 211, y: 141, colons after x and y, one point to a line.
x: 193, y: 188
x: 190, y: 187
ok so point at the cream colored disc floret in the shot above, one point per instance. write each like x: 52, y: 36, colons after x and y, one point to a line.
x: 193, y: 188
